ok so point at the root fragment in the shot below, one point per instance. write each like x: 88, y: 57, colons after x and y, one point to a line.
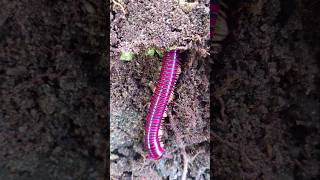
x: 185, y: 163
x: 115, y: 2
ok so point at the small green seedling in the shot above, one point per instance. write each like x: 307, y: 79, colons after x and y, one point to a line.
x: 151, y: 52
x: 126, y: 56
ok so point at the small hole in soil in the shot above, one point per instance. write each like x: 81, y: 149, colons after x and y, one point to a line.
x: 184, y: 56
x: 43, y: 130
x: 127, y: 174
x: 137, y: 156
x: 176, y: 30
x: 299, y: 132
x: 45, y: 79
x: 203, y: 104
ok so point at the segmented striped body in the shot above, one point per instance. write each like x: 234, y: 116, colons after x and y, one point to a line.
x: 214, y: 9
x: 159, y: 101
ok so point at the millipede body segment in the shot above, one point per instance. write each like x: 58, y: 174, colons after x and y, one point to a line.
x: 164, y: 88
x: 159, y: 101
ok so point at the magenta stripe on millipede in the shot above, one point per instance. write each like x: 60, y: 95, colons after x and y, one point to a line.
x: 159, y: 102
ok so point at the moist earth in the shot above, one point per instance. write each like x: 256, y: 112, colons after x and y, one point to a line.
x: 159, y: 24
x: 263, y: 84
x: 53, y: 105
x: 265, y: 92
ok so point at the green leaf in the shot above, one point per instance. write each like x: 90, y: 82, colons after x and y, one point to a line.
x: 150, y: 52
x: 126, y: 56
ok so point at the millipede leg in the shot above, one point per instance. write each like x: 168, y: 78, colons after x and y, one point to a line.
x: 178, y: 71
x: 160, y: 133
x: 171, y: 97
x: 165, y: 114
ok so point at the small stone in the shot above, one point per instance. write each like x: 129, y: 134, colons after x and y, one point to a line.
x: 264, y: 27
x: 48, y: 104
x: 113, y: 157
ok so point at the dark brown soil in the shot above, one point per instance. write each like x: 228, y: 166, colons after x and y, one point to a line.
x: 265, y: 93
x: 136, y: 25
x: 132, y: 83
x: 264, y: 100
x: 53, y: 89
x: 131, y: 90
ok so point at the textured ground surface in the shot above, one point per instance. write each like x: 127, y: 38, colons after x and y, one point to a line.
x: 264, y: 99
x: 162, y: 24
x: 264, y: 92
x: 266, y: 86
x: 53, y: 90
x: 131, y: 92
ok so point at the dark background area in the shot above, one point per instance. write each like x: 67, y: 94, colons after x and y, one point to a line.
x: 265, y: 92
x: 53, y: 79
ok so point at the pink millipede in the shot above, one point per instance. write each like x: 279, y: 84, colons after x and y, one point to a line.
x: 164, y: 88
x: 159, y: 101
